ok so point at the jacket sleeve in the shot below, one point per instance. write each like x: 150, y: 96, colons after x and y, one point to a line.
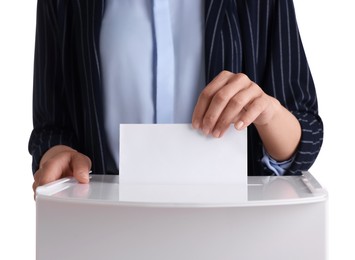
x: 51, y: 120
x: 288, y: 78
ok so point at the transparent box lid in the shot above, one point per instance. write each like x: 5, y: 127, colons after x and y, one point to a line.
x: 260, y: 191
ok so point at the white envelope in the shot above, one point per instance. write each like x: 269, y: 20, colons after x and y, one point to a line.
x: 178, y: 154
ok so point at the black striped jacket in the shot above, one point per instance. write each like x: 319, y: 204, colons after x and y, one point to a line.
x: 257, y: 37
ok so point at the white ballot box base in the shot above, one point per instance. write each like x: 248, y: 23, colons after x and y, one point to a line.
x: 282, y: 218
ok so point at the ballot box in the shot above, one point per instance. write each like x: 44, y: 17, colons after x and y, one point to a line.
x: 277, y: 218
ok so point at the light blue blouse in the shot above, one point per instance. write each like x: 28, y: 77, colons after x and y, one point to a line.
x: 152, y: 55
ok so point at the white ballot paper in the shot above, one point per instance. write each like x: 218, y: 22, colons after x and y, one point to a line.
x: 158, y: 160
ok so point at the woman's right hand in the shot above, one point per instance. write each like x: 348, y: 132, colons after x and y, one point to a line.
x: 62, y: 161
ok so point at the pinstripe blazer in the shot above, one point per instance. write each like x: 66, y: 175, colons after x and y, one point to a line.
x: 257, y: 37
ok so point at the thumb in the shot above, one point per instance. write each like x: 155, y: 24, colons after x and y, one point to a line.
x: 81, y: 165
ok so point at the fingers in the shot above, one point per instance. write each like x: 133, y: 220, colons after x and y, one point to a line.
x: 63, y: 163
x: 206, y: 96
x: 81, y: 166
x: 249, y: 115
x: 53, y: 169
x: 237, y: 110
x: 217, y: 106
x: 223, y: 102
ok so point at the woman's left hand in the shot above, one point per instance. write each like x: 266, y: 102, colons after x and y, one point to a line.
x: 232, y: 98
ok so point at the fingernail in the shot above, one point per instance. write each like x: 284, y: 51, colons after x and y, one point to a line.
x: 239, y: 125
x: 216, y: 133
x: 205, y: 130
x: 84, y: 176
x: 195, y: 124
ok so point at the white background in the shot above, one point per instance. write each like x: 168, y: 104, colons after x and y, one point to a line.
x: 328, y: 34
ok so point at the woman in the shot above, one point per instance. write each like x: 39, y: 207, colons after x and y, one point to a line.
x: 101, y: 63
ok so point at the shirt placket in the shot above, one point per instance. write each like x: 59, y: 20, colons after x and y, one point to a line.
x: 164, y: 62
